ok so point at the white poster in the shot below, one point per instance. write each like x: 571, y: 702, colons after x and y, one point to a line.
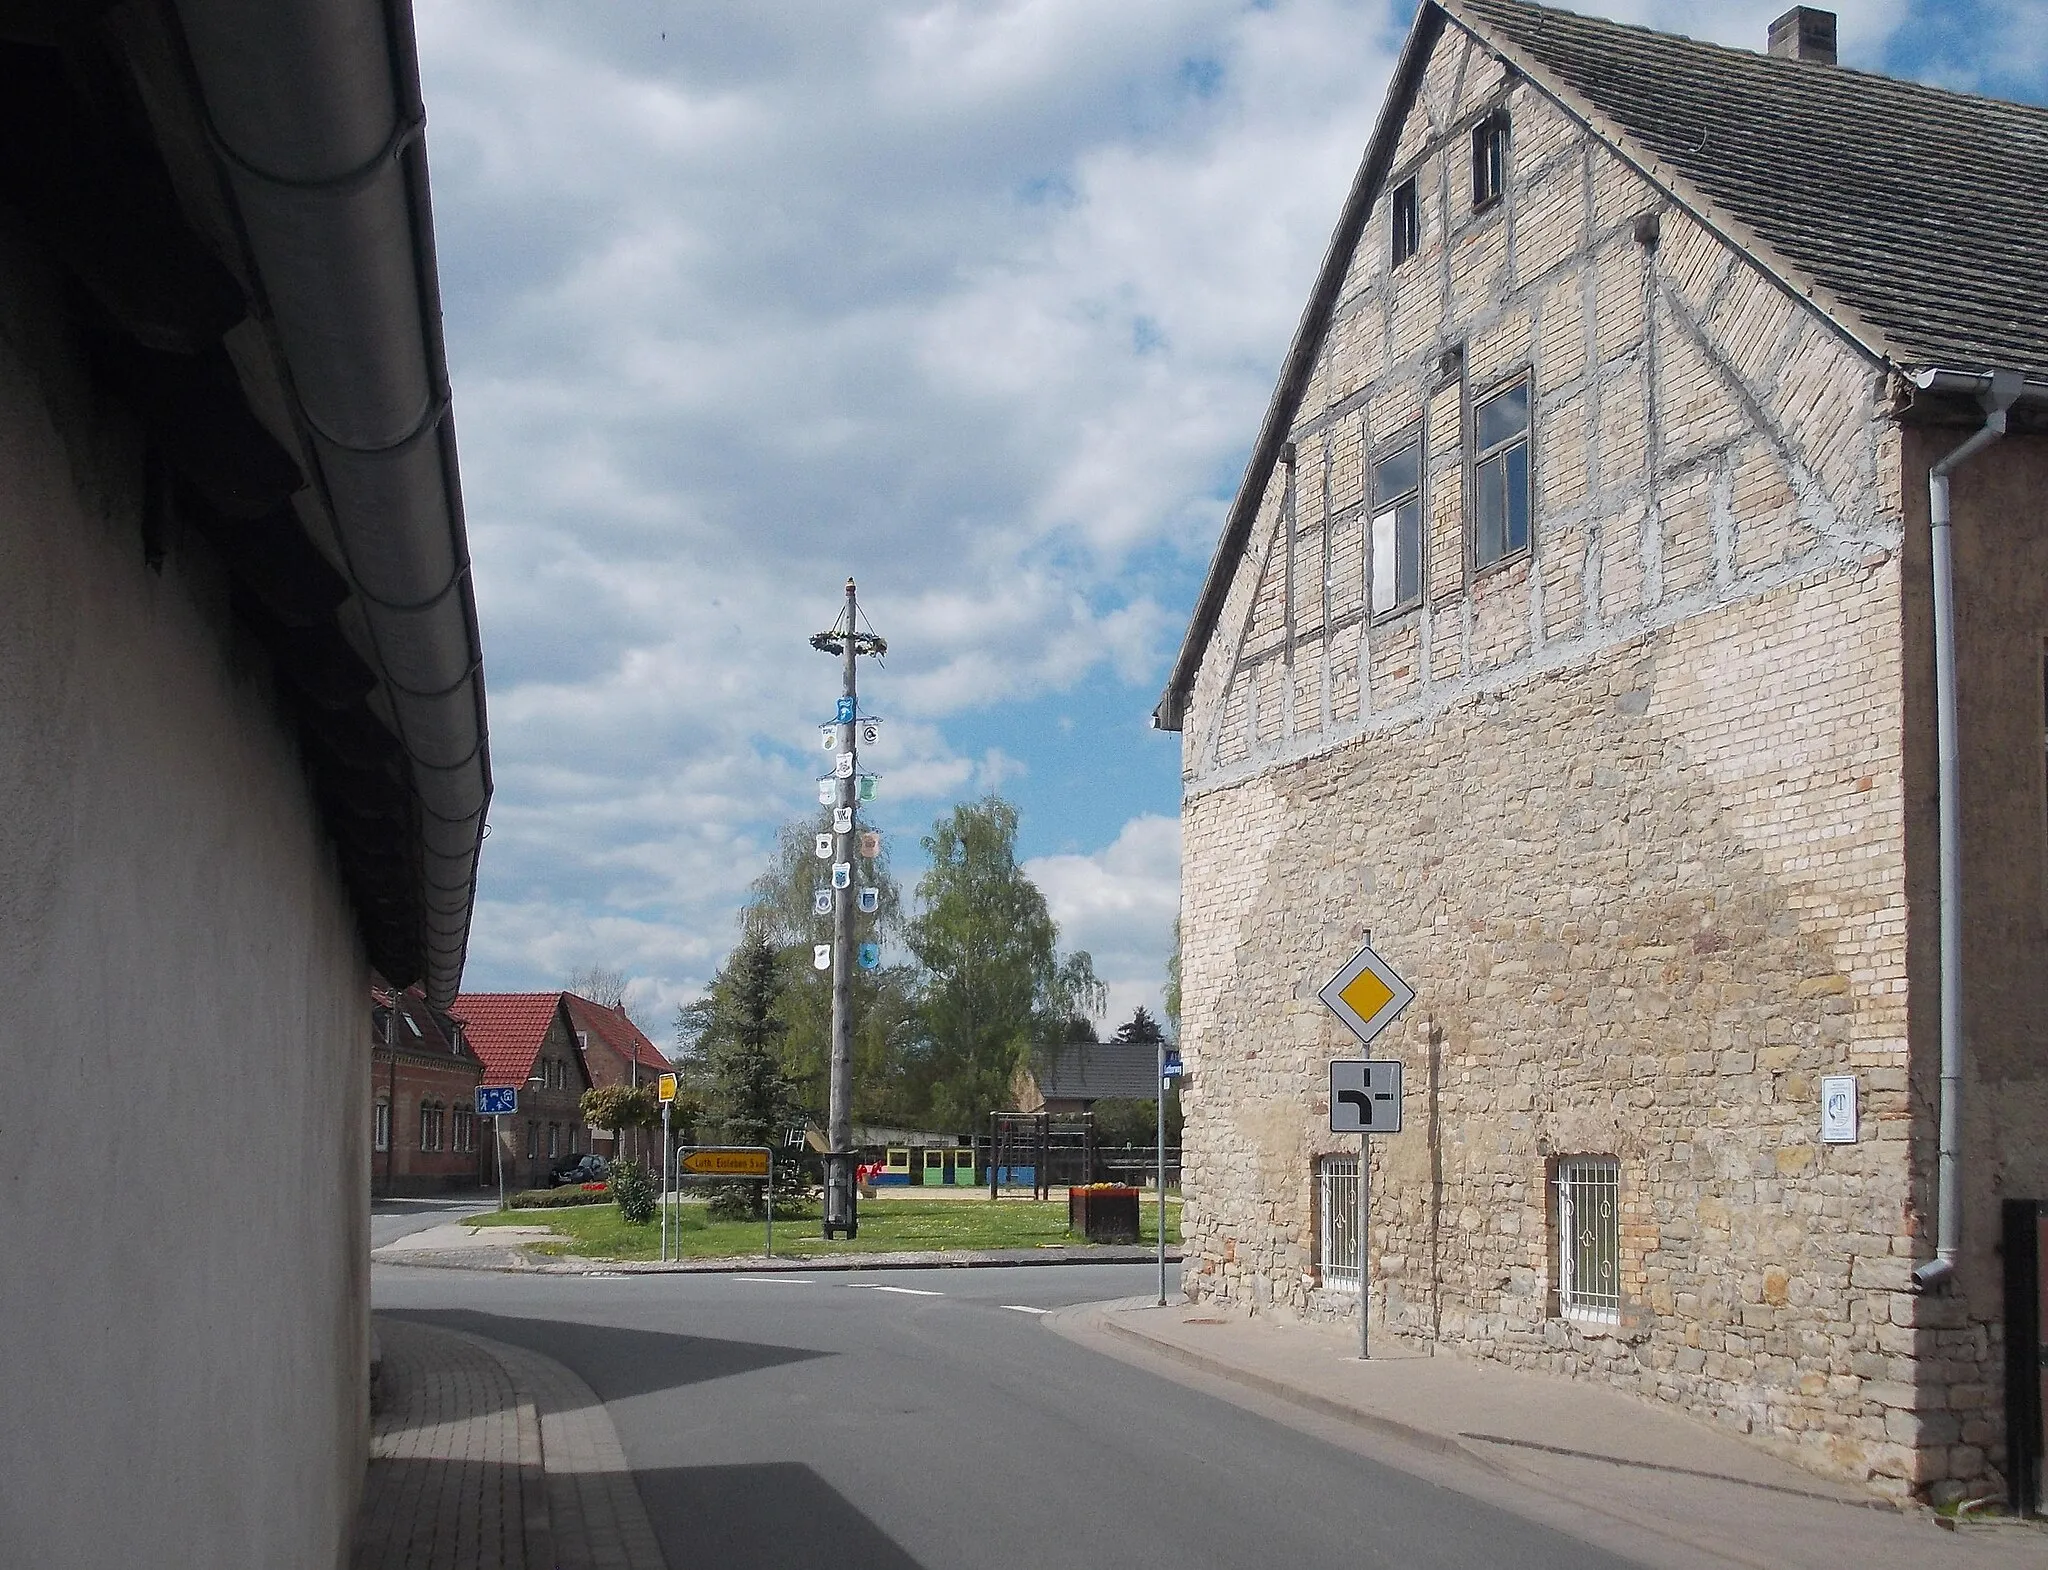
x: 1838, y: 1109
x: 828, y: 787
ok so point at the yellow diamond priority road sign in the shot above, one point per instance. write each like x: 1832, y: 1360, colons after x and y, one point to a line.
x: 1366, y: 995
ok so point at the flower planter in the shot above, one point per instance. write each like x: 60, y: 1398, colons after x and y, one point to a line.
x: 1103, y: 1213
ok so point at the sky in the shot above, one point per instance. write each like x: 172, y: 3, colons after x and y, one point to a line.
x: 979, y: 303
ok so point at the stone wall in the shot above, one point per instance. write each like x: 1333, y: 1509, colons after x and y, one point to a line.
x: 1628, y: 808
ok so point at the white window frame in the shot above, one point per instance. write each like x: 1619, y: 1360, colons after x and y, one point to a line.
x: 1589, y: 1239
x: 1337, y: 1222
x: 1384, y: 543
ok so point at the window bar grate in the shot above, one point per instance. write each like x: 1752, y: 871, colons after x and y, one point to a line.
x: 1589, y: 1225
x: 1337, y: 1203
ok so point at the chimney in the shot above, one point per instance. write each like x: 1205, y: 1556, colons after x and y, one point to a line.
x: 1804, y: 33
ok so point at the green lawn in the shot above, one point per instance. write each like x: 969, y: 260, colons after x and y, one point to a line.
x: 886, y: 1226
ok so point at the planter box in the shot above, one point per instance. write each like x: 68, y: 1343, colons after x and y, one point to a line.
x: 1103, y: 1215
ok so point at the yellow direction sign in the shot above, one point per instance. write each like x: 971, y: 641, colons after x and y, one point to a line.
x: 727, y: 1163
x: 667, y: 1091
x: 1366, y: 994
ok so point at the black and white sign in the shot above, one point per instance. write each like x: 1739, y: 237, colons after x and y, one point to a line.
x: 1365, y: 1097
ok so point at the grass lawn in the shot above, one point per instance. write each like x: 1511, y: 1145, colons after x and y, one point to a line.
x: 886, y: 1226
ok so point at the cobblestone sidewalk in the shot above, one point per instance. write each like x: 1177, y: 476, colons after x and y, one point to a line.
x: 486, y: 1456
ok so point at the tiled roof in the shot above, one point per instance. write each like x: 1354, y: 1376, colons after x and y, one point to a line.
x: 506, y: 1029
x: 1096, y: 1070
x: 616, y: 1031
x: 420, y: 1028
x: 1918, y: 209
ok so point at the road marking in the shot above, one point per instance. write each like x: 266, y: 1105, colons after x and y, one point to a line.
x: 906, y: 1291
x: 1021, y: 1308
x: 606, y: 1275
x: 778, y: 1281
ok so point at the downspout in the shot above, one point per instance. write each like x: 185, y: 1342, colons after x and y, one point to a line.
x: 2003, y: 389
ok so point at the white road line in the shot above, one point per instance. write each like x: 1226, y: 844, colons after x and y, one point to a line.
x: 777, y: 1281
x: 1020, y: 1308
x: 906, y: 1291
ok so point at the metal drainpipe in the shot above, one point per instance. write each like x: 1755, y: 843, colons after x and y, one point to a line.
x: 2004, y: 389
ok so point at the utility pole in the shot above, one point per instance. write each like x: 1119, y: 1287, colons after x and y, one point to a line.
x: 846, y: 640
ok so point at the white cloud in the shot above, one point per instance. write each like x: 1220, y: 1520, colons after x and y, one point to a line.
x: 1120, y: 905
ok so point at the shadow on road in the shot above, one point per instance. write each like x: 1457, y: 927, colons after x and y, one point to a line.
x: 770, y: 1514
x: 615, y: 1362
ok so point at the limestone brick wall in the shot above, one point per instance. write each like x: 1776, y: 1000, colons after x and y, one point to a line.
x: 1628, y: 808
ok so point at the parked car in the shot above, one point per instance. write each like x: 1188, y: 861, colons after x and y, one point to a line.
x: 579, y: 1169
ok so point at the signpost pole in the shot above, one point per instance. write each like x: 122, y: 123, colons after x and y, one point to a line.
x: 771, y: 1202
x: 1159, y: 1097
x: 1364, y: 1221
x: 664, y: 1182
x: 498, y: 1139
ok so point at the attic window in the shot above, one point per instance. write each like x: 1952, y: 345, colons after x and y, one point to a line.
x: 412, y: 1024
x: 1489, y: 159
x: 1407, y: 223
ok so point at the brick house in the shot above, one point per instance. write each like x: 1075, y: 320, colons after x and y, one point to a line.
x: 424, y: 1137
x: 525, y: 1040
x: 1573, y: 632
x: 616, y: 1052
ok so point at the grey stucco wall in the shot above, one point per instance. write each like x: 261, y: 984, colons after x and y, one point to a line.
x: 183, y: 1140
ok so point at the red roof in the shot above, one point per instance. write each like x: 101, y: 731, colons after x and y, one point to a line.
x: 617, y: 1032
x: 506, y: 1030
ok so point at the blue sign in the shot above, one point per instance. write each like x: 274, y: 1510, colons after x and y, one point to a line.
x: 496, y: 1100
x: 870, y: 955
x: 1173, y: 1063
x: 844, y: 712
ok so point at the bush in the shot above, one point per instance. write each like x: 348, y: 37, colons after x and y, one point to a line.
x: 746, y: 1200
x: 555, y: 1198
x: 634, y: 1190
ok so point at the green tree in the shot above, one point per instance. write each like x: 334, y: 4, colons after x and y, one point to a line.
x: 779, y: 911
x: 994, y: 979
x: 1172, y: 999
x: 618, y: 1107
x: 739, y: 1033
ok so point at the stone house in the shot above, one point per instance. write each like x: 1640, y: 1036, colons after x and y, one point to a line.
x: 1574, y: 634
x: 243, y: 754
x: 617, y: 1052
x: 526, y: 1040
x: 424, y: 1136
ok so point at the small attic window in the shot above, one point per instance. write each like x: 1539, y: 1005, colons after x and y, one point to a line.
x: 1489, y: 159
x: 412, y: 1024
x: 1407, y: 224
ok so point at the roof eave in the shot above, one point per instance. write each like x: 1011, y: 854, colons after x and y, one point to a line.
x: 1294, y: 370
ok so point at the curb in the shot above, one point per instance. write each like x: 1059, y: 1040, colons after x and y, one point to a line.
x: 516, y: 1262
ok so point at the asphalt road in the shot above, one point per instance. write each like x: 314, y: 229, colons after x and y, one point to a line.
x: 927, y: 1420
x: 392, y: 1219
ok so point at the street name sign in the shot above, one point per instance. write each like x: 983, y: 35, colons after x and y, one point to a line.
x: 493, y: 1101
x: 1365, y: 1098
x: 727, y: 1163
x: 1366, y: 995
x: 1172, y: 1069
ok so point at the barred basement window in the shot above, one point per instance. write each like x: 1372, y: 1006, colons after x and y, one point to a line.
x: 1501, y: 475
x: 1407, y: 223
x: 1397, y: 528
x: 1337, y: 1221
x: 1589, y: 1238
x: 1489, y: 159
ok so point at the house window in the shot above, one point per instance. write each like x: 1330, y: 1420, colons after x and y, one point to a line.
x: 1337, y: 1221
x: 426, y: 1125
x: 1501, y: 475
x: 1407, y: 223
x: 1397, y: 528
x: 1589, y: 1238
x: 465, y: 1125
x: 554, y: 1140
x: 380, y: 1126
x: 1489, y: 159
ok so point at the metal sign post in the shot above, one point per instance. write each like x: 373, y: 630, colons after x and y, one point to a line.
x: 1365, y: 1097
x: 498, y: 1139
x: 496, y: 1102
x: 1159, y: 1096
x: 666, y: 1088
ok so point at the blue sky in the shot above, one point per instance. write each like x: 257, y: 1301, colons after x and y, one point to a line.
x: 980, y: 302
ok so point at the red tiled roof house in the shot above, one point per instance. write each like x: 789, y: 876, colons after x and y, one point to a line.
x: 525, y: 1040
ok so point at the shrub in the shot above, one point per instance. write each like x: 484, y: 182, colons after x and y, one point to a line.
x: 555, y: 1198
x: 633, y: 1188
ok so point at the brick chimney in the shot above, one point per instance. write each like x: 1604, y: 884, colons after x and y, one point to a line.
x: 1804, y: 33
